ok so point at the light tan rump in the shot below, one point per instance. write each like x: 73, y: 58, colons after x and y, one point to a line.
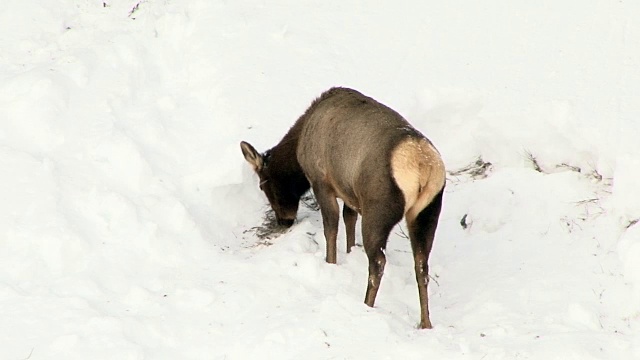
x: 419, y: 172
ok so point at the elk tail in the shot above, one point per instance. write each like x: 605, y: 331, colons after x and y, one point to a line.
x: 419, y: 173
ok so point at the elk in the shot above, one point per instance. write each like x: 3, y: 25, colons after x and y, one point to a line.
x: 349, y: 146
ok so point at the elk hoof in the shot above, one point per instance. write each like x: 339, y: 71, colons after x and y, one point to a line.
x: 426, y: 325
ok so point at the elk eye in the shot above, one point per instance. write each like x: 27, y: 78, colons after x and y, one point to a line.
x: 262, y: 183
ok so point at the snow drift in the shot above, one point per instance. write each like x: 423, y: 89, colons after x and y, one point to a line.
x: 125, y: 225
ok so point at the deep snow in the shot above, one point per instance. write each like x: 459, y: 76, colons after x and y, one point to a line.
x: 127, y: 208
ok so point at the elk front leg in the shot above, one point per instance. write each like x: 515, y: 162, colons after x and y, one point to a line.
x: 350, y: 218
x: 330, y: 216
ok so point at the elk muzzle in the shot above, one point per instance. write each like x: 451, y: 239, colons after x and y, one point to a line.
x: 285, y: 222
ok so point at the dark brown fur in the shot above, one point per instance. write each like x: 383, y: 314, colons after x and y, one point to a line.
x: 349, y: 146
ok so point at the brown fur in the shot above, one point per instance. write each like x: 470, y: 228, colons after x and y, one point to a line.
x: 349, y: 146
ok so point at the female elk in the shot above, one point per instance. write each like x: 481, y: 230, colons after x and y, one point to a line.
x: 349, y: 146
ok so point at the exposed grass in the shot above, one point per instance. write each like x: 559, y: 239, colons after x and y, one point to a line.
x: 534, y: 162
x: 478, y: 169
x: 309, y: 200
x: 270, y: 228
x: 569, y: 167
x: 135, y: 8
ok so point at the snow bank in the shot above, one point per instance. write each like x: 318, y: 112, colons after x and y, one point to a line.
x: 127, y: 213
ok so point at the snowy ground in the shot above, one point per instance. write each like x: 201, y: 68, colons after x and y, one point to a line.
x: 127, y: 208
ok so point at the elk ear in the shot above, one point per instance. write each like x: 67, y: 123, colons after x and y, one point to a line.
x: 252, y: 156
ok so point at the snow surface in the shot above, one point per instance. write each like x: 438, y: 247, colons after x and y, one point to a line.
x: 127, y: 208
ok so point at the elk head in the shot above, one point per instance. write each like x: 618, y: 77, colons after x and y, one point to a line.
x: 275, y: 183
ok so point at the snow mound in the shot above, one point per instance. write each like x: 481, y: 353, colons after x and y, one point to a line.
x: 127, y: 209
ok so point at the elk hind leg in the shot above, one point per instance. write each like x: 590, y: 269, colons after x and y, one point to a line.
x: 376, y: 226
x: 422, y: 230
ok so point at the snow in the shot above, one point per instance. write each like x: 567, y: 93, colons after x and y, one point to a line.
x: 127, y: 208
